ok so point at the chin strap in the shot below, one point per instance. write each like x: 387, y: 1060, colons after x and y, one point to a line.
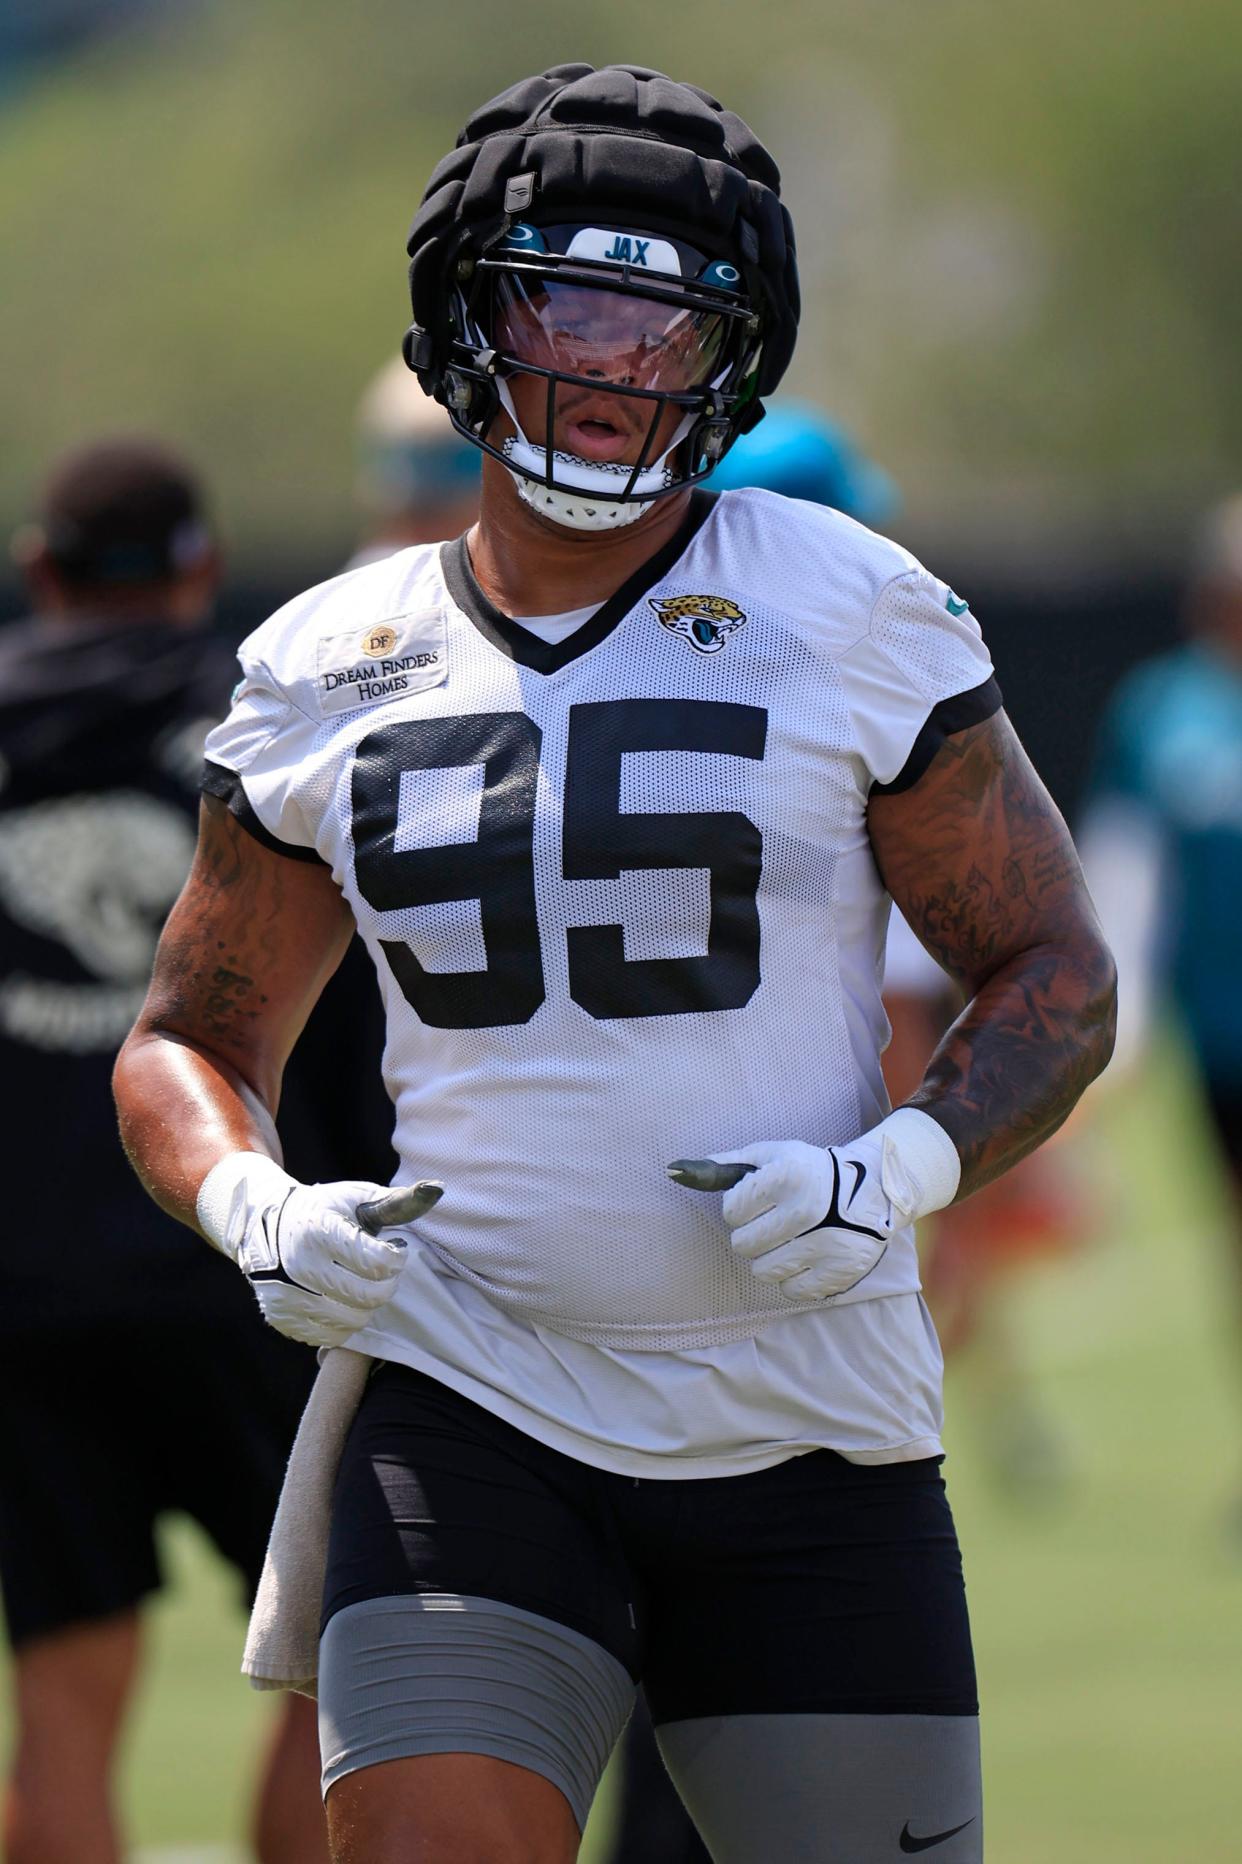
x: 578, y: 511
x: 585, y: 497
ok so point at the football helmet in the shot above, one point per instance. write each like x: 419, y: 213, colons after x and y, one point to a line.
x: 604, y: 285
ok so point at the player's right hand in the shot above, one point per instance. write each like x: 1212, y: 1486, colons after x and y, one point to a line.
x: 318, y: 1272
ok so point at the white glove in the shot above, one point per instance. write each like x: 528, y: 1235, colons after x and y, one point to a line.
x: 317, y: 1271
x: 815, y: 1219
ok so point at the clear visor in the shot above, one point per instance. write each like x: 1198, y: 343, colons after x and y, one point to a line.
x: 606, y: 335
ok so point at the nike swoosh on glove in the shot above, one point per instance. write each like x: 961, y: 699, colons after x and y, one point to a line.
x: 814, y: 1220
x: 317, y: 1273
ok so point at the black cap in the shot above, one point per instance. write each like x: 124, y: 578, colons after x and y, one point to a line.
x: 123, y: 511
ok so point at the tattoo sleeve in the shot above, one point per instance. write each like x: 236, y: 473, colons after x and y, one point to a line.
x: 246, y: 951
x: 978, y: 859
x: 221, y: 940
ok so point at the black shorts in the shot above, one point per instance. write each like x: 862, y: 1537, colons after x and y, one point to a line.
x: 102, y: 1433
x: 815, y: 1586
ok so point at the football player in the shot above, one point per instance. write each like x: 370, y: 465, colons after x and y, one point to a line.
x: 1162, y: 839
x: 617, y: 787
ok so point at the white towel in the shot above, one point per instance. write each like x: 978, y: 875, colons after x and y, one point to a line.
x: 282, y: 1643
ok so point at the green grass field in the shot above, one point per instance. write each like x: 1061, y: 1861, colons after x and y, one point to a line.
x: 1108, y: 1617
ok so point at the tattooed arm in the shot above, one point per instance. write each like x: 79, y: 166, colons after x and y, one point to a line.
x: 247, y: 949
x: 978, y: 859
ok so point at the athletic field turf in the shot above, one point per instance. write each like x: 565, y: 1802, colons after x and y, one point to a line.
x: 1108, y: 1617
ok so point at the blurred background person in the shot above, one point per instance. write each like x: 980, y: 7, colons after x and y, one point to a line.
x: 417, y: 480
x: 136, y: 1377
x: 797, y: 451
x: 1162, y: 846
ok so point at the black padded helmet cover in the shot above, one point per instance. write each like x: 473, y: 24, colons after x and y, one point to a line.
x: 621, y: 141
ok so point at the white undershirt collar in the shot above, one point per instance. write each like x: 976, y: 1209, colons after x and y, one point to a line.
x: 557, y: 628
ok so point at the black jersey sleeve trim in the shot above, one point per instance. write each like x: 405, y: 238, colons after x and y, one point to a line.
x: 550, y: 656
x: 226, y: 786
x: 950, y: 715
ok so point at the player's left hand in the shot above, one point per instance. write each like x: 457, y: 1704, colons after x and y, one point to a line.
x: 812, y: 1219
x: 815, y: 1220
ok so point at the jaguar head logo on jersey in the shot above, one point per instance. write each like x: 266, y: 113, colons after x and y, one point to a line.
x: 704, y: 621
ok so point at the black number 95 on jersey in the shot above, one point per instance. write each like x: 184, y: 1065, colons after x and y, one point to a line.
x: 599, y: 841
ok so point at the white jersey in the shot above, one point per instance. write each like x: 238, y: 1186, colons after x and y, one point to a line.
x: 623, y: 907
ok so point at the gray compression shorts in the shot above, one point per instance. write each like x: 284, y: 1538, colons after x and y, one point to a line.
x: 830, y: 1789
x: 435, y: 1673
x: 801, y: 1632
x: 439, y: 1674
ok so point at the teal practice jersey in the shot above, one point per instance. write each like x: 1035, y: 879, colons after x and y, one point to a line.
x: 1171, y: 748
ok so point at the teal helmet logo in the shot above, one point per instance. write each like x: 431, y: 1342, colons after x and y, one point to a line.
x: 525, y: 238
